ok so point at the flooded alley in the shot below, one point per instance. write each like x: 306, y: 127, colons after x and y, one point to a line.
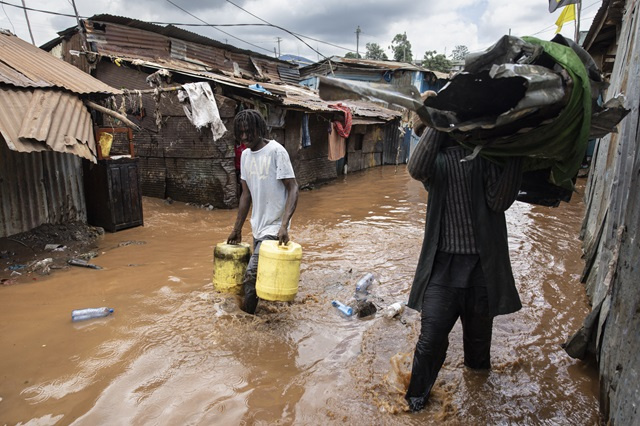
x: 177, y: 352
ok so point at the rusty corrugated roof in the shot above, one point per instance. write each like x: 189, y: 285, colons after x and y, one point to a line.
x: 172, y: 31
x: 288, y: 94
x: 299, y: 96
x: 369, y: 64
x: 125, y: 38
x: 24, y: 65
x: 33, y: 120
x: 390, y: 65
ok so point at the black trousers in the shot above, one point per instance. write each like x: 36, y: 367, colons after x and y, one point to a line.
x: 441, y: 308
x: 249, y: 282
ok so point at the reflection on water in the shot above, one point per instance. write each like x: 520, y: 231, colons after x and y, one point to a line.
x: 176, y: 352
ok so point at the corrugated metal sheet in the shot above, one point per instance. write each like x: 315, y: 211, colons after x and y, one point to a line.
x: 118, y: 40
x: 388, y: 65
x: 126, y: 38
x: 38, y: 188
x: 173, y: 32
x: 364, y: 68
x: 41, y: 120
x: 24, y: 65
x: 290, y: 75
x: 393, y: 147
x: 611, y: 228
x: 147, y: 45
x: 288, y: 95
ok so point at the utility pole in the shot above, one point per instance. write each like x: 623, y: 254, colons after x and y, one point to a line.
x: 24, y: 7
x: 358, y: 31
x: 80, y: 31
x: 578, y: 9
x: 278, y: 39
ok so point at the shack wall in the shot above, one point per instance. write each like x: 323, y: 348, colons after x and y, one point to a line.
x: 176, y: 160
x: 37, y: 188
x: 364, y: 147
x: 611, y: 238
x: 312, y: 164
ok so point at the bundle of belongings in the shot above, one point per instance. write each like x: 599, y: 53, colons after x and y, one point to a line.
x: 521, y: 97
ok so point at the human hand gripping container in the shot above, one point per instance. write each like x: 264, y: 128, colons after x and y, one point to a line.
x: 230, y: 263
x: 278, y: 271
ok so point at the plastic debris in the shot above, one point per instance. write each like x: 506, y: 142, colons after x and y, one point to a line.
x: 83, y: 263
x: 89, y: 313
x: 394, y: 309
x: 347, y: 310
x: 363, y: 283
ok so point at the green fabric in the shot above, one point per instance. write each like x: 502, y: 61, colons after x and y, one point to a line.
x: 562, y: 143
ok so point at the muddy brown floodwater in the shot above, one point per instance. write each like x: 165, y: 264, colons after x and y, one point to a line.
x: 176, y: 352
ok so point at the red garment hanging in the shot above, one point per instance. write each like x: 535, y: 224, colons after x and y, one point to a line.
x: 343, y: 130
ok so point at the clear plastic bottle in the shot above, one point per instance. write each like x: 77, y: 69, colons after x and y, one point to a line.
x: 88, y: 313
x: 347, y: 310
x: 363, y: 283
x: 394, y: 309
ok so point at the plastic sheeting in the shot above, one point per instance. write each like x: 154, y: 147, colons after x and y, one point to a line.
x: 203, y: 110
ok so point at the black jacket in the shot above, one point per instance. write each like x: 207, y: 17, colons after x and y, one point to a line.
x: 489, y: 229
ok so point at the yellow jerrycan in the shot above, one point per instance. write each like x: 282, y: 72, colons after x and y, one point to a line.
x: 229, y: 265
x: 278, y: 271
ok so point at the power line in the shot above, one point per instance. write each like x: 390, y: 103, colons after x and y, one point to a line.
x: 204, y: 24
x: 8, y: 19
x: 276, y: 26
x: 184, y: 24
x: 218, y: 29
x: 550, y: 27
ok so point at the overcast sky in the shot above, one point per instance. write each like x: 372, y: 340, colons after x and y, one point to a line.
x: 328, y: 26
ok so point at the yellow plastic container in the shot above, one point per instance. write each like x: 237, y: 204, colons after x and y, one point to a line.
x: 278, y: 271
x: 229, y: 265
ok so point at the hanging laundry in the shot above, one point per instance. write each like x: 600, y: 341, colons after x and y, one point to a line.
x: 337, y: 144
x: 306, y: 137
x: 276, y: 116
x: 204, y: 110
x: 345, y: 129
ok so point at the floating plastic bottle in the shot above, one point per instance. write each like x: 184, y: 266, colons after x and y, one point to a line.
x: 363, y: 284
x: 347, y: 310
x: 83, y: 263
x: 88, y: 313
x: 394, y: 309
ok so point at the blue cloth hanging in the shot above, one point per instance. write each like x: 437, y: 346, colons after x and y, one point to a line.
x: 306, y: 137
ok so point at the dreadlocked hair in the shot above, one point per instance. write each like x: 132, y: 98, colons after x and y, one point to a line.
x: 250, y: 121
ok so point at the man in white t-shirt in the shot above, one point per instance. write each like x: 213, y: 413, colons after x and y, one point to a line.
x: 269, y: 184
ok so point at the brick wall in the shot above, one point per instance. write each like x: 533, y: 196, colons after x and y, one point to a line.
x: 178, y: 160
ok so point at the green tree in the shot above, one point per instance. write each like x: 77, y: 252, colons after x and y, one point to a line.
x: 401, y: 48
x: 435, y: 61
x: 459, y: 52
x: 353, y: 55
x: 375, y: 52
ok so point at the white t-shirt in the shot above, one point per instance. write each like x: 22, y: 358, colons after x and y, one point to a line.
x: 263, y: 171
